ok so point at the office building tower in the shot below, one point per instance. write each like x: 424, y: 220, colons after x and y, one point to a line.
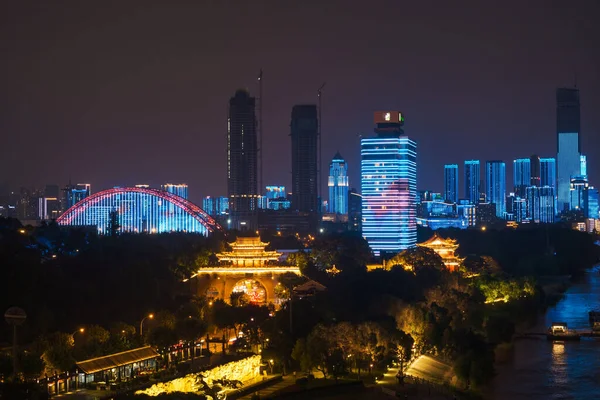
x: 535, y: 166
x: 495, y: 185
x: 48, y: 208
x: 569, y: 146
x: 354, y: 211
x: 579, y: 186
x: 548, y: 172
x: 304, y: 133
x: 540, y: 204
x: 73, y: 194
x: 521, y: 175
x: 275, y: 192
x: 179, y: 189
x: 485, y: 213
x: 468, y: 211
x: 451, y: 182
x: 591, y: 203
x: 389, y: 186
x: 583, y: 165
x: 516, y: 208
x: 242, y: 159
x: 472, y: 181
x: 338, y: 186
x: 215, y: 206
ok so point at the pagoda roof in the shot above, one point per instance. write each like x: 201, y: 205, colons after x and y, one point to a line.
x: 438, y: 241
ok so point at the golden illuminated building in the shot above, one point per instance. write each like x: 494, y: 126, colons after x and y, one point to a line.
x: 445, y: 248
x: 248, y: 268
x: 248, y: 252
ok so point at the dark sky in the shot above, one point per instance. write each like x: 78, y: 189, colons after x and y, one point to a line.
x: 125, y: 92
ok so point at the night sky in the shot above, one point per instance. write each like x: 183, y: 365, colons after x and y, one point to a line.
x: 127, y: 92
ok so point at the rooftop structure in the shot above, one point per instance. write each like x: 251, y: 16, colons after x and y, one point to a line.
x: 248, y: 252
x: 445, y: 248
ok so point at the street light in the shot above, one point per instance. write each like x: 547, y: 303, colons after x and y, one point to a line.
x: 150, y: 316
x: 80, y: 330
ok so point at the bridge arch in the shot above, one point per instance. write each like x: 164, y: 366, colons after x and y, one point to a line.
x: 140, y: 210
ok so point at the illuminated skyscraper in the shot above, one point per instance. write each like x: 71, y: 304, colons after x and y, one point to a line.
x: 304, y: 133
x: 472, y: 181
x: 540, y: 204
x: 242, y: 156
x: 495, y: 185
x: 389, y: 186
x: 548, y: 172
x: 215, y: 206
x: 521, y: 175
x: 451, y: 182
x: 591, y: 203
x: 583, y: 165
x: 535, y: 167
x: 569, y: 146
x: 75, y: 193
x: 338, y: 185
x: 579, y: 186
x: 179, y: 189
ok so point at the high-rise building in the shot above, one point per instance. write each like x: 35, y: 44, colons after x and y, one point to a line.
x: 338, y: 186
x: 548, y: 172
x: 304, y: 133
x: 242, y: 159
x: 569, y: 146
x: 275, y: 192
x: 354, y: 211
x: 535, y: 166
x: 540, y: 204
x: 451, y: 182
x: 73, y: 194
x: 579, y: 186
x: 591, y: 203
x: 215, y: 206
x: 583, y: 165
x: 521, y: 175
x: 472, y: 181
x: 495, y: 185
x: 516, y: 208
x: 179, y: 189
x: 389, y: 186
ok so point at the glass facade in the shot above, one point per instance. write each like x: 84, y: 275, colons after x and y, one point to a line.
x: 389, y: 192
x: 75, y: 193
x: 495, y: 185
x: 569, y: 166
x: 521, y: 175
x: 583, y: 165
x: 179, y: 189
x: 451, y: 182
x: 472, y: 181
x: 215, y: 206
x: 139, y: 210
x: 338, y: 186
x: 540, y: 204
x: 591, y: 203
x: 579, y: 186
x: 548, y: 172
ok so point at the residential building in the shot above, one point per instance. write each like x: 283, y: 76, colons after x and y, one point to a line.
x: 472, y: 180
x: 338, y: 186
x: 451, y: 182
x: 495, y: 172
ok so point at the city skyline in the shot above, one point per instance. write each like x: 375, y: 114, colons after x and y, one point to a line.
x: 153, y: 90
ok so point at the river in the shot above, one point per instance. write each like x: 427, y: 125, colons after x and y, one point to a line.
x: 540, y: 369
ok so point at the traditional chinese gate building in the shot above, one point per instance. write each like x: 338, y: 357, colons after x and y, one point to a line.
x: 247, y: 268
x: 445, y: 248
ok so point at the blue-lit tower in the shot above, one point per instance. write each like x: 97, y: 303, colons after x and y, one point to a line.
x: 338, y: 185
x: 540, y: 204
x: 179, y: 189
x: 451, y: 183
x: 389, y: 186
x: 495, y: 185
x: 75, y: 193
x: 569, y: 146
x: 521, y: 175
x: 579, y: 186
x: 591, y: 203
x: 472, y: 181
x: 548, y: 172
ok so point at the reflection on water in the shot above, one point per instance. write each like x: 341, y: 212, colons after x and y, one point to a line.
x: 556, y: 370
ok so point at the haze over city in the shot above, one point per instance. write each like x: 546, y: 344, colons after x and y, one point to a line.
x: 121, y: 93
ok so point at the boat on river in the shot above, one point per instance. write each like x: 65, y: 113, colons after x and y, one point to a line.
x: 560, y: 331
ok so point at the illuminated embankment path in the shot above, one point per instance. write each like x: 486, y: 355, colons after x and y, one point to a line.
x: 430, y: 369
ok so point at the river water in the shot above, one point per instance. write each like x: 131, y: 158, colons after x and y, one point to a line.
x: 541, y: 369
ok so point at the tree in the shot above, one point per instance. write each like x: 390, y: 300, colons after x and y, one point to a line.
x: 417, y: 258
x: 58, y: 353
x: 190, y: 329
